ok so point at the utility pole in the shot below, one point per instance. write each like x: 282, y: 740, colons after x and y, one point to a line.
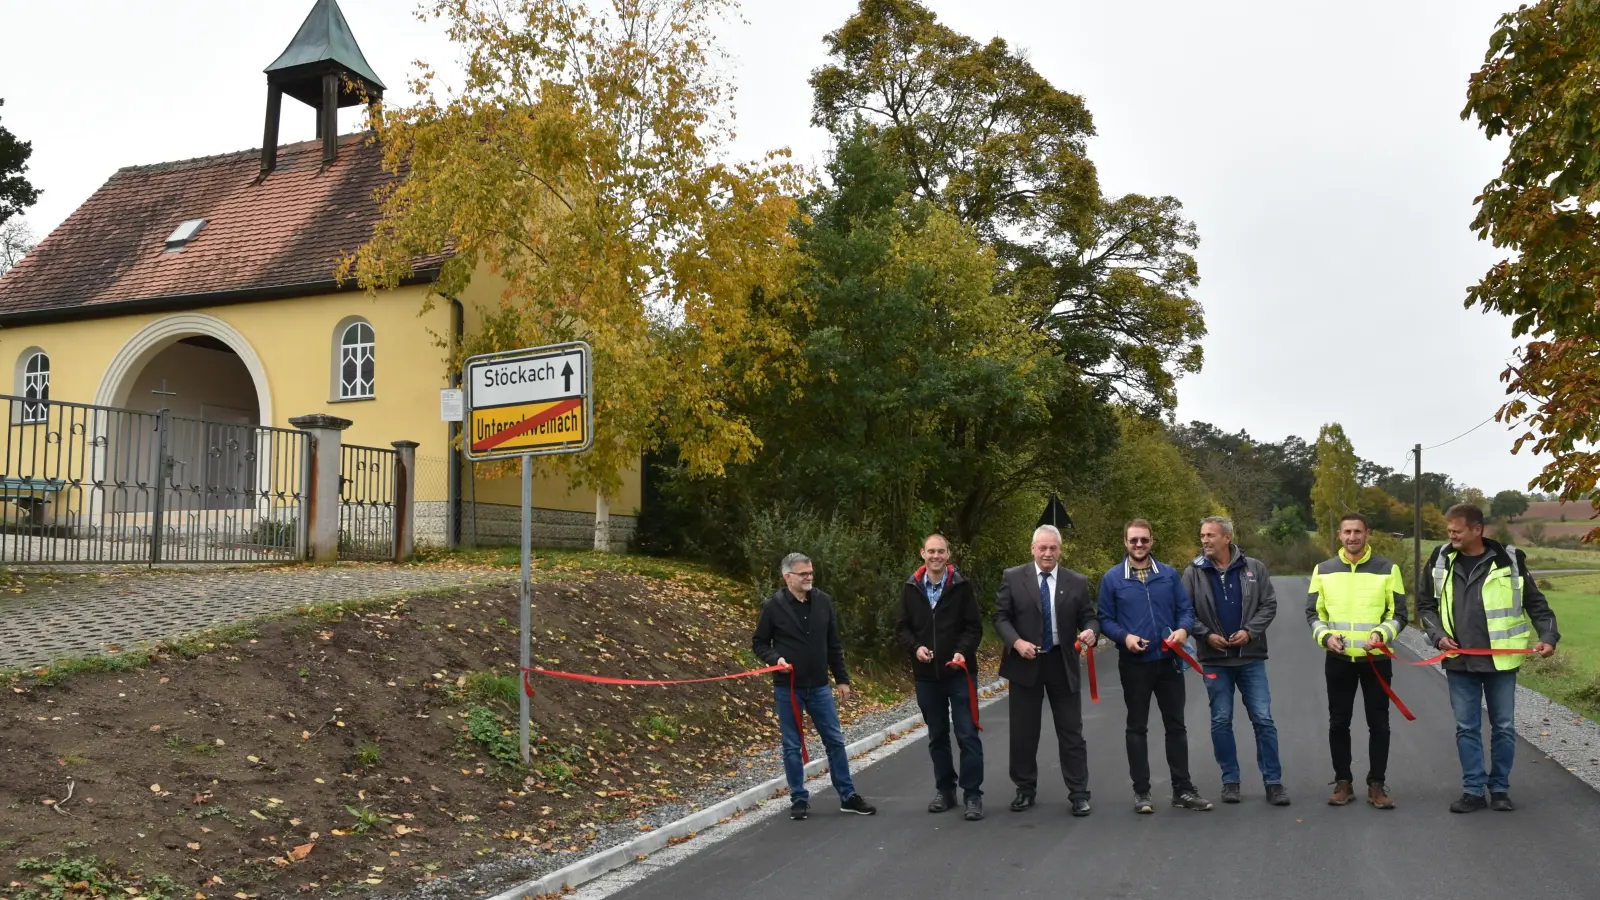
x: 1416, y: 526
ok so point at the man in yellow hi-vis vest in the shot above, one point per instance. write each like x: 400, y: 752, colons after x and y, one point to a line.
x: 1477, y: 594
x: 1356, y: 598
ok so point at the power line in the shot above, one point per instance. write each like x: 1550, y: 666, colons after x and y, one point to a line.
x: 1463, y: 434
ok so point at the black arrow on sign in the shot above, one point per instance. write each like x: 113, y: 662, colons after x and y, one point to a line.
x: 566, y: 372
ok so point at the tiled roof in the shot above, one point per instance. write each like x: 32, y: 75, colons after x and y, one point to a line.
x: 281, y: 233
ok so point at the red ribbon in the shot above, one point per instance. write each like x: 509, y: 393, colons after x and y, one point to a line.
x: 1383, y: 648
x: 1184, y: 655
x: 972, y: 689
x: 1094, y: 684
x: 794, y: 701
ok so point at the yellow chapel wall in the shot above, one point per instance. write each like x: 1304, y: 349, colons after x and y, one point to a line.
x: 295, y: 341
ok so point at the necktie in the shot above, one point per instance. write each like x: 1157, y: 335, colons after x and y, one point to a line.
x: 1046, y: 603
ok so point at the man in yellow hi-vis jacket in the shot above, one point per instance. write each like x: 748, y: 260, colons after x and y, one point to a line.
x: 1357, y: 598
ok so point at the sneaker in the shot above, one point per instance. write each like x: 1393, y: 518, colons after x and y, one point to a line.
x: 1277, y: 795
x: 1500, y: 801
x: 1343, y: 793
x: 941, y: 802
x: 1378, y: 795
x: 1142, y: 804
x: 1469, y: 803
x: 1230, y: 792
x: 858, y: 804
x: 799, y: 809
x: 1191, y: 800
x: 974, y: 809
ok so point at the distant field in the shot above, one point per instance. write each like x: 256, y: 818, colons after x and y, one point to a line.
x: 1572, y: 676
x: 1548, y: 558
x: 1552, y: 511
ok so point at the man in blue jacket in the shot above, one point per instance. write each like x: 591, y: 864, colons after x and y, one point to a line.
x: 1142, y: 603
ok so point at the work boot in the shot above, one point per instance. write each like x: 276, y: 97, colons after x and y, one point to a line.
x: 1277, y: 795
x: 1469, y: 803
x: 1378, y: 795
x: 1230, y: 792
x: 1343, y: 793
x: 974, y: 809
x: 942, y: 801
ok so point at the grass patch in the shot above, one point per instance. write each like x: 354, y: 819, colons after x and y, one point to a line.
x: 1551, y: 558
x: 490, y: 688
x: 485, y: 728
x: 61, y: 876
x: 662, y: 727
x: 569, y: 562
x: 369, y: 754
x: 1572, y: 676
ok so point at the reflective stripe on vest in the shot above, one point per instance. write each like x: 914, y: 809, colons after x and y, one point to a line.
x: 1501, y: 606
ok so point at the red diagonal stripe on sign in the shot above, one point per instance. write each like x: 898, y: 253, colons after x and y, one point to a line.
x: 527, y: 425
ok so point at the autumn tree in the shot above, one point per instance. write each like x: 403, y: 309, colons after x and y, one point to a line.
x: 580, y: 166
x: 1538, y: 89
x: 985, y: 137
x: 1336, y: 490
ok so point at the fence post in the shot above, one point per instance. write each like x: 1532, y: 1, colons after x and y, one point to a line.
x: 322, y: 506
x: 405, y: 500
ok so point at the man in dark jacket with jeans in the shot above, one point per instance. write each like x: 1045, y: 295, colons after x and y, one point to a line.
x: 1233, y: 604
x: 799, y: 631
x: 1142, y: 604
x: 940, y: 626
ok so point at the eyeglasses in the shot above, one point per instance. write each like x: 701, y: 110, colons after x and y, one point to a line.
x: 802, y: 574
x: 1140, y: 542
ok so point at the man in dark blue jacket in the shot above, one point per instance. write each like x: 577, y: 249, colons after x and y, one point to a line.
x: 1142, y: 604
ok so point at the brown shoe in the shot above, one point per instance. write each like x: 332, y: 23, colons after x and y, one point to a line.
x: 1378, y: 795
x: 1342, y: 794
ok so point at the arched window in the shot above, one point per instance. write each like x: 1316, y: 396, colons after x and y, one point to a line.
x: 36, y: 388
x: 356, y: 366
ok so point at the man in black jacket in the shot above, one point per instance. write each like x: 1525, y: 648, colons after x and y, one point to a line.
x: 940, y: 626
x: 799, y: 631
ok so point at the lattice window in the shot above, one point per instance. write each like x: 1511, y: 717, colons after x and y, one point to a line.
x: 356, y: 362
x: 36, y: 389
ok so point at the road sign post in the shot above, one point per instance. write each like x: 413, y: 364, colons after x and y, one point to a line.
x: 525, y: 403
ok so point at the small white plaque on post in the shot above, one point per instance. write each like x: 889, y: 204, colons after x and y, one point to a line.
x: 452, y: 405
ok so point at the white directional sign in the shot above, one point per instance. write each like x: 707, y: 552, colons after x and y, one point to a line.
x: 534, y: 401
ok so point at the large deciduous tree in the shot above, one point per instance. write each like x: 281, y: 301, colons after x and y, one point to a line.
x: 984, y: 136
x: 1336, y: 490
x: 580, y: 168
x: 1539, y: 88
x: 1508, y: 504
x: 16, y: 194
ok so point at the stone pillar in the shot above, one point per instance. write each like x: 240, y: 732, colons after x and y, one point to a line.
x: 602, y: 523
x: 322, y: 506
x: 405, y: 501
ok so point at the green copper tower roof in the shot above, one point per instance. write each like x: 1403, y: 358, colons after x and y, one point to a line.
x: 324, y: 43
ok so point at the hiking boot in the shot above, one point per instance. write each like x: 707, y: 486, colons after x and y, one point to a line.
x: 799, y: 809
x: 1500, y: 801
x: 974, y: 809
x: 1343, y: 793
x: 1378, y: 795
x: 942, y: 802
x: 1469, y: 803
x: 1230, y: 792
x: 1191, y: 800
x: 1277, y: 795
x: 858, y: 804
x: 1142, y: 804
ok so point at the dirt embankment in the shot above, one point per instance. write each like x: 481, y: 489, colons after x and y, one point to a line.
x: 370, y: 747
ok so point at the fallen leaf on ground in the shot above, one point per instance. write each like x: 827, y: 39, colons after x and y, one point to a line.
x: 301, y: 852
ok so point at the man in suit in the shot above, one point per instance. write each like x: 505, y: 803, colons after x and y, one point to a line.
x: 1041, y: 610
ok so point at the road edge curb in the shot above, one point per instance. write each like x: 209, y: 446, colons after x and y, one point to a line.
x: 609, y: 860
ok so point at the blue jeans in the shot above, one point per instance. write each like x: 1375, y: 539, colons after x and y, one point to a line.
x: 1251, y: 680
x: 817, y: 702
x: 941, y: 701
x: 1469, y: 691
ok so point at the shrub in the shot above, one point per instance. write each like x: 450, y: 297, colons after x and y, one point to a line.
x: 1502, y: 533
x: 1297, y: 557
x: 852, y: 564
x: 1535, y: 533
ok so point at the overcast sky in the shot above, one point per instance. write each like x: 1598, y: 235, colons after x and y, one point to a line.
x: 1317, y: 145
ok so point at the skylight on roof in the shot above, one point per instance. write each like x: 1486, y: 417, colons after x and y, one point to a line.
x: 184, y: 233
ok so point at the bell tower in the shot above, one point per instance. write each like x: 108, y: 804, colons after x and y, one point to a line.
x: 323, y: 68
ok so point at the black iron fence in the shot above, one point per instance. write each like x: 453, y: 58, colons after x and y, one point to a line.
x: 95, y: 484
x: 367, y: 502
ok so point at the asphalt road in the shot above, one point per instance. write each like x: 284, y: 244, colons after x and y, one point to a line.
x: 1420, y: 850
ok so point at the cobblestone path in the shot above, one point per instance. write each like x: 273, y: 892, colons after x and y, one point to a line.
x: 85, y: 614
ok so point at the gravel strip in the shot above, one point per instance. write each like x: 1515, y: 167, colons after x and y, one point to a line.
x: 1564, y: 736
x: 767, y: 765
